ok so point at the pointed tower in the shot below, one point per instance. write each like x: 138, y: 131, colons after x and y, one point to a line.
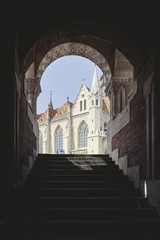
x: 95, y: 115
x: 50, y: 113
x: 50, y: 104
x: 95, y: 82
x: 95, y: 91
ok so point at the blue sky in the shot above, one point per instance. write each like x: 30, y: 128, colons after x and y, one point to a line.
x: 64, y: 77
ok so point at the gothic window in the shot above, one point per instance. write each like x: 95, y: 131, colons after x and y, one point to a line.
x: 80, y: 105
x: 96, y: 101
x: 59, y: 139
x: 85, y: 104
x: 83, y: 133
x: 92, y: 102
x: 105, y: 124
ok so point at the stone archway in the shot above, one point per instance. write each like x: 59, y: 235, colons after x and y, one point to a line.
x: 92, y: 40
x: 96, y: 35
x: 73, y: 48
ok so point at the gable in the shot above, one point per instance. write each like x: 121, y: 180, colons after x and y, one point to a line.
x: 82, y: 94
x: 62, y: 111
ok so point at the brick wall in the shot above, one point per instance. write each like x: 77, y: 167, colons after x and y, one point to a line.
x: 131, y: 139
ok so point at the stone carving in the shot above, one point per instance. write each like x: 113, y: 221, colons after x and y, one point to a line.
x: 32, y: 86
x: 78, y: 49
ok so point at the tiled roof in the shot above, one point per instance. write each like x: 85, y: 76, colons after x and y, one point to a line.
x: 53, y: 113
x: 62, y: 111
x: 106, y: 104
x: 43, y: 117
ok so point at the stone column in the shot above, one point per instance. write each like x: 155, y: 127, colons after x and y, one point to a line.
x: 116, y: 87
x: 151, y: 93
x: 116, y: 102
x: 155, y: 113
x: 120, y: 84
x: 32, y: 90
x: 148, y: 95
x: 155, y: 130
x: 124, y: 97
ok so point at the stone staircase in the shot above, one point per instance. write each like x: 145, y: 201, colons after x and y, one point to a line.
x: 75, y: 197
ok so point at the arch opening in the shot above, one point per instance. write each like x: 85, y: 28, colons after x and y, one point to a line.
x: 117, y: 70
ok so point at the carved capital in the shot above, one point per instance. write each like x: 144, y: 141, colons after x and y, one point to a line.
x: 121, y: 80
x: 32, y: 86
x: 118, y: 82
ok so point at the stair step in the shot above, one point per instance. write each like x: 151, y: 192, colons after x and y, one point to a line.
x: 80, y: 236
x: 76, y: 159
x: 74, y: 177
x: 86, y: 213
x: 126, y: 202
x: 78, y: 184
x: 78, y: 172
x: 105, y: 192
x: 76, y: 167
x: 83, y: 156
x: 81, y: 197
x: 84, y: 226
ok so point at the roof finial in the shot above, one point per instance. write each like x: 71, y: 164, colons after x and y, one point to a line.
x: 50, y: 105
x: 82, y: 80
x: 50, y: 96
x: 67, y: 99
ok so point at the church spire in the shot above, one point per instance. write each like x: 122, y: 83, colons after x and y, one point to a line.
x: 50, y: 104
x: 95, y: 81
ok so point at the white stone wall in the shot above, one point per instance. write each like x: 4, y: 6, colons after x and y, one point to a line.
x: 54, y: 125
x: 43, y: 129
x: 76, y: 121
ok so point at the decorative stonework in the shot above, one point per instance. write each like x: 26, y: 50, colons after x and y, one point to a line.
x: 121, y: 80
x: 73, y: 48
x: 118, y: 82
x: 32, y: 86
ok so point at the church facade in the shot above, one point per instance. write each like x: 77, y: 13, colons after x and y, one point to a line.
x: 79, y: 127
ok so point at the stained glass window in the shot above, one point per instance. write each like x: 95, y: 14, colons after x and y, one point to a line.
x: 83, y: 133
x: 59, y: 139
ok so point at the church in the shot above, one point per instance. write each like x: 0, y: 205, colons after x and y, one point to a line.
x: 79, y: 127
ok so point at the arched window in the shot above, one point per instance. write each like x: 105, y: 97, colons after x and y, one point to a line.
x: 83, y: 133
x: 80, y: 105
x: 85, y: 104
x: 59, y: 139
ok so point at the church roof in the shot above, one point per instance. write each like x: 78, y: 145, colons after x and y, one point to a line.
x: 42, y: 117
x: 53, y: 113
x: 50, y: 105
x: 106, y: 104
x: 62, y: 111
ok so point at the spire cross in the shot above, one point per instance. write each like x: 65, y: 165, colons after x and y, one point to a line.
x: 50, y: 96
